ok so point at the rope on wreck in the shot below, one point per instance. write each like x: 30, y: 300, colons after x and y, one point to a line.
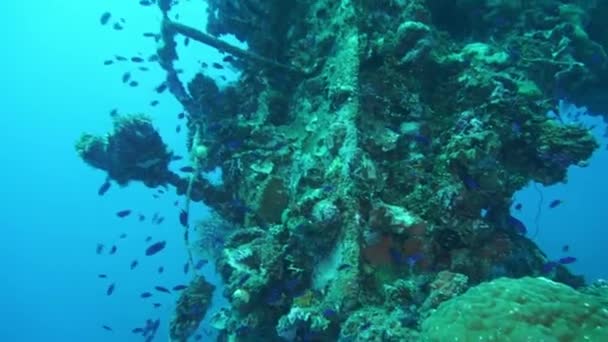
x: 186, y: 211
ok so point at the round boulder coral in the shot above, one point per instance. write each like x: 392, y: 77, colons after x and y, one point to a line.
x: 527, y: 309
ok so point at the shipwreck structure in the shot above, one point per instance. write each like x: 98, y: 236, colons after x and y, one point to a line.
x: 369, y: 154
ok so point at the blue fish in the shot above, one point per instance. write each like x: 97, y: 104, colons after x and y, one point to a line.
x: 145, y: 295
x: 123, y: 213
x: 329, y: 313
x: 162, y: 289
x: 104, y: 188
x: 549, y: 266
x: 155, y: 248
x: 110, y: 289
x: 105, y: 17
x: 273, y: 296
x: 134, y: 264
x: 183, y: 218
x: 567, y: 260
x: 200, y: 264
x: 555, y: 203
x: 106, y: 327
x: 470, y: 183
x: 517, y: 225
x: 413, y: 259
x: 179, y: 287
x: 161, y: 88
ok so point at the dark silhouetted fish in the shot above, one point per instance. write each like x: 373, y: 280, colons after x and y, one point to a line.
x: 124, y: 213
x: 137, y: 59
x: 201, y: 263
x: 145, y: 295
x: 108, y: 62
x: 157, y: 305
x: 107, y: 328
x: 126, y: 77
x: 228, y: 59
x: 149, y: 35
x: 161, y: 88
x: 518, y: 206
x: 99, y: 248
x: 113, y: 250
x: 181, y: 115
x: 134, y: 264
x: 186, y: 267
x: 154, y: 103
x: 155, y: 248
x: 516, y: 224
x: 470, y: 182
x: 217, y: 66
x: 117, y: 27
x: 183, y: 218
x: 123, y: 236
x: 549, y: 266
x: 145, y: 2
x: 567, y: 260
x: 555, y: 203
x: 204, y: 65
x: 114, y: 112
x: 186, y: 41
x: 160, y: 220
x: 344, y: 267
x: 565, y: 248
x: 162, y: 289
x: 178, y: 129
x: 105, y: 17
x: 142, y: 217
x: 161, y: 270
x: 137, y: 330
x: 133, y: 84
x: 110, y: 289
x: 143, y: 68
x: 148, y: 238
x: 179, y: 287
x: 102, y: 275
x: 104, y: 188
x: 153, y: 58
x: 186, y: 169
x: 120, y: 58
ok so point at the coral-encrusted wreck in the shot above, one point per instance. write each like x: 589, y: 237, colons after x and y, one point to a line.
x: 361, y: 146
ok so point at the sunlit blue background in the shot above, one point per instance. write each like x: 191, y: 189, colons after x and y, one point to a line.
x: 54, y: 86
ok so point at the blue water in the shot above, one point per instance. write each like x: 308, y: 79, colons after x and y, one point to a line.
x: 54, y: 86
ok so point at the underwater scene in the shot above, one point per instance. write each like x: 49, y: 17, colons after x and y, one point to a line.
x: 304, y: 170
